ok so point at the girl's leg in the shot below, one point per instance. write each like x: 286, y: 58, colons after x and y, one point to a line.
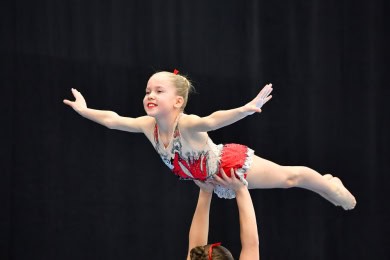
x: 265, y: 174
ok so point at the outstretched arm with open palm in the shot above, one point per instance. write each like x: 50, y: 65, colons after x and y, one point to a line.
x: 224, y: 118
x: 106, y: 118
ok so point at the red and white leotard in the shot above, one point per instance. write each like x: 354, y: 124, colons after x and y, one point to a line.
x: 188, y: 163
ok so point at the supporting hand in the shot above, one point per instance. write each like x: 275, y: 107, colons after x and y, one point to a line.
x: 205, y: 186
x: 231, y: 182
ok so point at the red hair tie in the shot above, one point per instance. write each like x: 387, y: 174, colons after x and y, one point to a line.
x: 175, y: 71
x: 211, y: 249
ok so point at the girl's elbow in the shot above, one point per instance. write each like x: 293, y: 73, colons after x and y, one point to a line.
x: 111, y: 122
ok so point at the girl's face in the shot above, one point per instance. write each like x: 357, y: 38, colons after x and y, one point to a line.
x: 160, y: 96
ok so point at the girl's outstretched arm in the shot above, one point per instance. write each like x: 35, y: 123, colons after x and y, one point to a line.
x: 106, y: 118
x: 223, y: 118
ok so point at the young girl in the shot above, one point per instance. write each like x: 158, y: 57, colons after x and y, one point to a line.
x: 185, y: 147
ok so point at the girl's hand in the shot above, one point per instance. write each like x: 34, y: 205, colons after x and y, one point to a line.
x: 262, y: 98
x: 205, y: 186
x: 79, y: 104
x: 231, y: 182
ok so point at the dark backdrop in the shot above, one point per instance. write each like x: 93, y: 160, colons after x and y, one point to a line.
x: 72, y: 189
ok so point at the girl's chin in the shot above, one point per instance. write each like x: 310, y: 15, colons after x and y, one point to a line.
x: 151, y: 112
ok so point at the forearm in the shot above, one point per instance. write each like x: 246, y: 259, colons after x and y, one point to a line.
x: 103, y: 117
x: 199, y: 230
x: 223, y: 118
x: 248, y: 225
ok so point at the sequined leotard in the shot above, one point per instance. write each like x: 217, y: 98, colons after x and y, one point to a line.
x: 204, y: 163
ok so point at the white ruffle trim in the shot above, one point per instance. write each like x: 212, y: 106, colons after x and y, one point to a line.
x: 226, y: 193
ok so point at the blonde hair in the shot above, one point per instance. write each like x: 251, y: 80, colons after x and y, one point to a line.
x: 218, y: 253
x: 182, y: 84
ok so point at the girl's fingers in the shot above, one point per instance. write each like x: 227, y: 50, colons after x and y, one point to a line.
x: 67, y: 102
x: 267, y: 99
x: 264, y: 89
x: 76, y: 93
x: 269, y: 92
x: 266, y: 92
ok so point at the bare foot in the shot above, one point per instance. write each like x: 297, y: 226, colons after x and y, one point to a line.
x: 328, y: 176
x: 326, y: 196
x: 342, y: 195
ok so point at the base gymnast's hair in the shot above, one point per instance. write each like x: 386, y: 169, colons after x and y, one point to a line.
x: 210, y: 252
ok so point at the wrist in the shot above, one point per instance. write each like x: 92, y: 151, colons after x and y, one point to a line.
x: 241, y: 110
x: 240, y: 190
x: 244, y: 111
x: 82, y: 111
x: 206, y: 192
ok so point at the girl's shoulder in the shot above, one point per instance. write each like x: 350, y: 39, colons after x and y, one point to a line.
x: 185, y: 124
x: 187, y: 119
x: 147, y: 121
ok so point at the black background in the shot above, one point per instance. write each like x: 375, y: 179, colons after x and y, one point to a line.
x: 72, y: 189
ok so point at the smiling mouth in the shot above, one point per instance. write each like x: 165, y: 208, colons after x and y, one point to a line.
x: 151, y: 105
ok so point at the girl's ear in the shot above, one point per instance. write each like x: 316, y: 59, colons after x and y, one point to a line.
x: 179, y: 102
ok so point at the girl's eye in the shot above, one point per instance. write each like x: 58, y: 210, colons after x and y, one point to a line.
x: 159, y: 91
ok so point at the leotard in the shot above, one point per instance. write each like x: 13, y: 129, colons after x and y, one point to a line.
x: 189, y: 164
